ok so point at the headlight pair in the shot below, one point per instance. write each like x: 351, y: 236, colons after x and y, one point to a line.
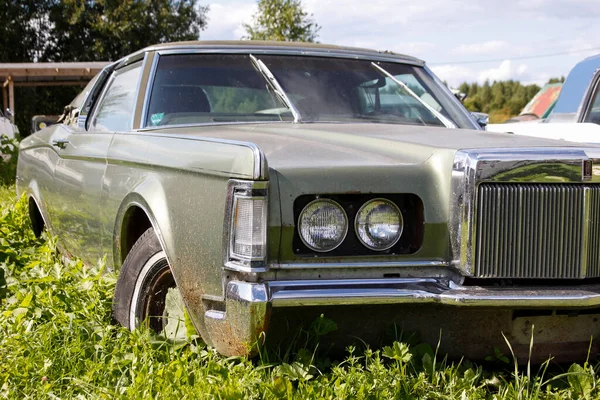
x: 323, y: 224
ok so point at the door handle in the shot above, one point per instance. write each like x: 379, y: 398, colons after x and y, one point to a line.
x: 60, y: 143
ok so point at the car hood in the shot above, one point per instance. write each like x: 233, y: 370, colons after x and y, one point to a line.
x: 318, y: 145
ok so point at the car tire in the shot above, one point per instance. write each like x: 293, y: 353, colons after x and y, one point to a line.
x: 143, y: 283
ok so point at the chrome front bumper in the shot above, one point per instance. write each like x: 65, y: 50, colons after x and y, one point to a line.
x: 426, y: 290
x: 248, y: 305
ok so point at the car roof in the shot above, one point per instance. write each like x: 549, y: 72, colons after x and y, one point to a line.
x: 577, y: 85
x: 289, y: 48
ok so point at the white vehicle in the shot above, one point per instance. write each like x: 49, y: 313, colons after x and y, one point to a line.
x: 6, y: 127
x: 576, y: 116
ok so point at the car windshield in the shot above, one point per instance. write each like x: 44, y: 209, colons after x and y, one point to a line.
x: 210, y: 88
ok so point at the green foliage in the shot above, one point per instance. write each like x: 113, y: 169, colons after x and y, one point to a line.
x: 57, y: 340
x: 501, y: 99
x: 557, y: 80
x: 9, y: 151
x: 107, y: 29
x: 283, y: 20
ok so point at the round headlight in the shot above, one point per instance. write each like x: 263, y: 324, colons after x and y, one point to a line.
x: 323, y: 225
x: 379, y: 224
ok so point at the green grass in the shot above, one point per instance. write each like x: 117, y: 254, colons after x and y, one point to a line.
x: 57, y: 340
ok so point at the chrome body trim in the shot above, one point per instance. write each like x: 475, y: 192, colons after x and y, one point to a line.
x: 248, y: 305
x: 409, y: 290
x: 527, y: 165
x: 426, y: 290
x: 260, y: 170
x: 237, y: 330
x: 373, y: 264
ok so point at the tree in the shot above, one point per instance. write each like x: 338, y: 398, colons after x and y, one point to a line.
x: 23, y: 21
x: 283, y: 20
x: 110, y: 29
x: 557, y: 80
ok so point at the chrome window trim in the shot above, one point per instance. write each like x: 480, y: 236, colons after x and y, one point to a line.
x: 335, y: 53
x: 149, y: 87
x: 91, y: 120
x: 82, y: 118
x: 229, y: 262
x: 137, y: 87
x: 116, y: 72
x: 589, y: 97
x: 200, y: 124
x: 474, y: 166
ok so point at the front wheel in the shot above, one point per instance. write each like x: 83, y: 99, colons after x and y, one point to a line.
x: 146, y: 292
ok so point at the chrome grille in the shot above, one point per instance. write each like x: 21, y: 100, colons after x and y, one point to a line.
x: 537, y: 231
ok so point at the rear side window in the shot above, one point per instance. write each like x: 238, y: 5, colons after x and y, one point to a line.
x: 115, y: 110
x: 211, y: 88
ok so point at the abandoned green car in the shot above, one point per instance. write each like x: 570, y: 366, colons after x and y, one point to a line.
x: 267, y: 179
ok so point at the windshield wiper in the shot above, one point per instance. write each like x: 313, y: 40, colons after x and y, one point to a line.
x: 438, y: 115
x: 277, y: 89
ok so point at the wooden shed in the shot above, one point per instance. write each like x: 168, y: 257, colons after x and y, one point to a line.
x: 44, y: 74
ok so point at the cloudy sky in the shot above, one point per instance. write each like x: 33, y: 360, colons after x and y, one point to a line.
x: 462, y: 40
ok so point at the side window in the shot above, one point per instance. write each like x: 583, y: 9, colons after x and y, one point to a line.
x: 116, y: 107
x: 593, y: 114
x: 207, y: 88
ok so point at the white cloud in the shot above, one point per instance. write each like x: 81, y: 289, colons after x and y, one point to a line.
x: 562, y: 9
x: 454, y: 74
x: 225, y: 20
x: 489, y: 47
x: 457, y: 74
x: 506, y: 70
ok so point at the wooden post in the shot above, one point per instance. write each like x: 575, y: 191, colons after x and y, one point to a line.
x: 4, y: 98
x: 11, y: 99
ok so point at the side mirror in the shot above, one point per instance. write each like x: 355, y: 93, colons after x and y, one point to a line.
x: 481, y: 118
x: 9, y: 113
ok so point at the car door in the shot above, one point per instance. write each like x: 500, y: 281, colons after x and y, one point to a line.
x: 79, y: 173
